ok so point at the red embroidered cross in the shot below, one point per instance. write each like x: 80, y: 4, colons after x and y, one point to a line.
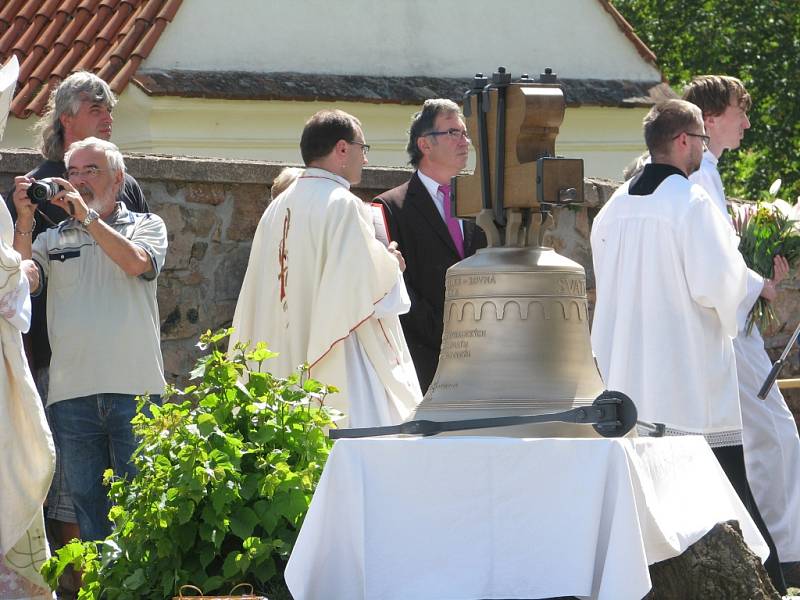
x: 283, y: 272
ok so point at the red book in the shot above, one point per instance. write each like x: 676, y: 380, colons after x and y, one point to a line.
x: 380, y: 222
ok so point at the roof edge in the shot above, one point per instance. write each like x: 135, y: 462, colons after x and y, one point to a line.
x: 626, y: 28
x: 291, y: 86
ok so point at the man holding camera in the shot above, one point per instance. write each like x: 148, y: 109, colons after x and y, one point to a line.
x: 78, y: 108
x: 100, y: 267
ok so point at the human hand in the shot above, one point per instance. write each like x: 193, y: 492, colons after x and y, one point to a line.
x: 392, y: 247
x: 25, y: 208
x: 70, y: 200
x: 780, y: 269
x: 31, y: 271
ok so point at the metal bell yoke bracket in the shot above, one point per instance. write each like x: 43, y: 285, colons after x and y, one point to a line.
x: 612, y: 414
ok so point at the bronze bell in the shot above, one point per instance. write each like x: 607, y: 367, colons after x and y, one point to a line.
x: 516, y: 342
x: 516, y: 331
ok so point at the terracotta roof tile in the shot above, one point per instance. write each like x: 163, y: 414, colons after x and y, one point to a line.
x: 53, y: 38
x: 27, y: 11
x: 9, y: 10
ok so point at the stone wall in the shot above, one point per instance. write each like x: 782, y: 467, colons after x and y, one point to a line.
x: 212, y: 206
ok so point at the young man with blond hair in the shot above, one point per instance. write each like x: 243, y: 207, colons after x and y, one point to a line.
x: 771, y: 443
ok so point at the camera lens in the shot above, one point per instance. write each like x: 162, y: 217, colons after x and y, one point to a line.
x: 42, y: 191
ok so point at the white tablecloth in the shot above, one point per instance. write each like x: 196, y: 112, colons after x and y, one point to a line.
x: 464, y: 518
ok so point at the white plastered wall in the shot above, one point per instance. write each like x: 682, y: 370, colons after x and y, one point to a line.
x: 606, y: 138
x: 445, y: 38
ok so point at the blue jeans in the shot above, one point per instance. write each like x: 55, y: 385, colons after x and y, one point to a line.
x: 95, y: 434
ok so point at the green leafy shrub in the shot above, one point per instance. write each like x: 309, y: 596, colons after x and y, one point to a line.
x: 227, y: 468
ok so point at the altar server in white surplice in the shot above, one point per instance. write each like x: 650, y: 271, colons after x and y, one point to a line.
x: 771, y: 443
x: 670, y: 280
x: 26, y: 446
x: 320, y: 288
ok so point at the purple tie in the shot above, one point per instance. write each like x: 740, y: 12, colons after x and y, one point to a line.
x: 453, y: 226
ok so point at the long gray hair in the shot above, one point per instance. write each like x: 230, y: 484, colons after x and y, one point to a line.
x: 66, y: 99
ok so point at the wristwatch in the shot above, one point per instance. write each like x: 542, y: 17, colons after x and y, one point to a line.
x: 91, y: 217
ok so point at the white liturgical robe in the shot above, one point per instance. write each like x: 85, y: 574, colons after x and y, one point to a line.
x: 769, y: 433
x: 26, y: 446
x: 25, y: 441
x: 669, y: 282
x: 321, y: 290
x: 708, y: 178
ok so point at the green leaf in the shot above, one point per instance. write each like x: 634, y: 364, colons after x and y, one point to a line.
x: 185, y: 511
x: 207, y: 554
x: 261, y: 353
x: 250, y: 485
x: 186, y: 534
x: 264, y: 434
x: 312, y: 386
x: 212, y: 584
x: 230, y: 567
x: 134, y: 581
x: 206, y: 424
x: 243, y: 521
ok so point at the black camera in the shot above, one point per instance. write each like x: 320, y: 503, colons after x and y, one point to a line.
x: 43, y: 190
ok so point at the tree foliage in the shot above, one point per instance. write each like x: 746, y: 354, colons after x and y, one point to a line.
x: 755, y: 40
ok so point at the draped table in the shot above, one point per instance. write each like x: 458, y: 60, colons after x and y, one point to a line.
x: 463, y: 518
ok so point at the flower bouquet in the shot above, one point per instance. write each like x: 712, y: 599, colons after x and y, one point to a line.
x: 766, y: 230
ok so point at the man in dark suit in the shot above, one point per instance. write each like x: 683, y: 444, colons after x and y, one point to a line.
x: 418, y: 214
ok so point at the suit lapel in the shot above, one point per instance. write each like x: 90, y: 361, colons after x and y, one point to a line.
x: 423, y: 203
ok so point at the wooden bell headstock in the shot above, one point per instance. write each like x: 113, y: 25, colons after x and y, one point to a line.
x: 513, y: 127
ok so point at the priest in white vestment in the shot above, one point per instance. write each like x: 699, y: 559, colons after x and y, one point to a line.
x: 26, y: 446
x: 321, y: 290
x: 770, y: 439
x: 670, y: 280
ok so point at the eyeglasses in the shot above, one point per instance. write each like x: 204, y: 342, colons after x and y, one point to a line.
x: 706, y: 139
x: 454, y: 133
x: 89, y: 172
x: 364, y: 147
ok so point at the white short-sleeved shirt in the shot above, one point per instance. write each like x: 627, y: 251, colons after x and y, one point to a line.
x: 103, y: 324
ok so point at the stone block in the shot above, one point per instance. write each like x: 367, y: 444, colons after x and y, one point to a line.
x: 590, y: 193
x: 230, y: 272
x: 582, y: 223
x: 199, y: 250
x: 205, y: 193
x: 174, y: 188
x: 184, y: 226
x: 247, y: 211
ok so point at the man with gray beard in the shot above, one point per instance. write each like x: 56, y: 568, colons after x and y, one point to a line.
x: 80, y: 107
x: 99, y: 266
